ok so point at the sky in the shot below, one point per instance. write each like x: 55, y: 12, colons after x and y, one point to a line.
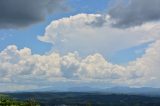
x: 59, y: 44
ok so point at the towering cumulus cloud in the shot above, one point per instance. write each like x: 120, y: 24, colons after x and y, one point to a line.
x: 21, y: 13
x: 78, y: 33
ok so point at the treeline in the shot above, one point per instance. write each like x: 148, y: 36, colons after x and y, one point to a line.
x: 8, y: 101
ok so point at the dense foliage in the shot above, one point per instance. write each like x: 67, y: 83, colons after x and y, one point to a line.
x: 7, y: 101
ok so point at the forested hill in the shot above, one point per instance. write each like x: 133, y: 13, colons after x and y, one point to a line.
x: 86, y: 99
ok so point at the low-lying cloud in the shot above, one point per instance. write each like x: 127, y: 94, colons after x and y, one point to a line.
x: 21, y: 67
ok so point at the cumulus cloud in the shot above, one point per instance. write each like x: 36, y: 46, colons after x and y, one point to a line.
x: 22, y: 67
x: 78, y: 33
x: 135, y: 12
x: 22, y: 13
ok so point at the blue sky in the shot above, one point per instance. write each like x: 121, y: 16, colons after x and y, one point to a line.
x: 27, y: 37
x: 79, y: 42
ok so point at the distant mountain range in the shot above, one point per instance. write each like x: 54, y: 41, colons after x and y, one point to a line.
x: 128, y: 90
x: 113, y: 90
x: 120, y: 90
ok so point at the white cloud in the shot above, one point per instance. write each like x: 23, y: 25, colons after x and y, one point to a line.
x: 21, y: 64
x: 80, y: 33
x: 22, y: 67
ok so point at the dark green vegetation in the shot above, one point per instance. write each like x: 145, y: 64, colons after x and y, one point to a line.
x: 87, y: 99
x: 8, y: 101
